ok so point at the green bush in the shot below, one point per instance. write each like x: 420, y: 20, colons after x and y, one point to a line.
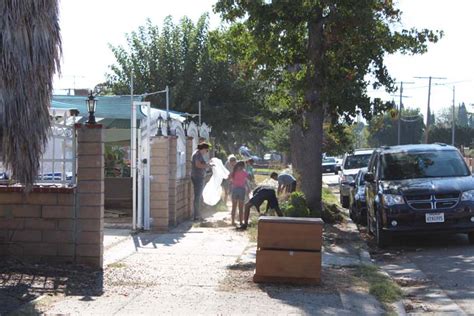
x: 296, y: 206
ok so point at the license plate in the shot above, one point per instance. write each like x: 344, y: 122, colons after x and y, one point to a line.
x: 434, y: 217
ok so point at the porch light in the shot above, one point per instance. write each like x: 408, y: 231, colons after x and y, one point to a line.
x: 91, y: 103
x: 159, y: 132
x: 186, y: 123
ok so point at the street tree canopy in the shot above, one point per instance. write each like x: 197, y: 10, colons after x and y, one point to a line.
x: 197, y: 65
x: 333, y: 50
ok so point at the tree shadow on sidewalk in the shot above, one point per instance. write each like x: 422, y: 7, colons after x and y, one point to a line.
x: 21, y: 282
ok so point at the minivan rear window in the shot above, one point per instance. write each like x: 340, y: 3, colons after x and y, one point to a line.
x: 357, y: 161
x: 445, y: 163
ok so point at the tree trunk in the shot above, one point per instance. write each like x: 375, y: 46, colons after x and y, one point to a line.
x: 307, y: 134
x: 307, y: 150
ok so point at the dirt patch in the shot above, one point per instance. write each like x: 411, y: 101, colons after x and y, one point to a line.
x: 214, y: 224
x: 240, y: 278
x: 22, y: 282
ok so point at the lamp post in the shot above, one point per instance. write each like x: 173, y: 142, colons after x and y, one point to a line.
x: 186, y: 123
x: 91, y: 103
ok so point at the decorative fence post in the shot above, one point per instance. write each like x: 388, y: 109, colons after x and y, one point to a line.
x: 89, y: 226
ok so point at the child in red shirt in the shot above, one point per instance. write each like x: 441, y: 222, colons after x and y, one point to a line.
x: 238, y: 179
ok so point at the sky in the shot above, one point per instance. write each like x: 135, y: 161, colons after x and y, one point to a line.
x: 89, y: 26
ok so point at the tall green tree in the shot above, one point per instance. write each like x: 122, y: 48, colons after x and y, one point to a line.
x: 197, y: 65
x: 464, y: 136
x: 30, y: 49
x: 462, y: 119
x: 383, y: 129
x: 330, y: 48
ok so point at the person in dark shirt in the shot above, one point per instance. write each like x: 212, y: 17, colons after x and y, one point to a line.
x: 260, y: 195
x: 198, y: 173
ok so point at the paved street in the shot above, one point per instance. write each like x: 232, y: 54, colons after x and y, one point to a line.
x: 448, y: 260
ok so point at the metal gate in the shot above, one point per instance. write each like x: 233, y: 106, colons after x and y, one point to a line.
x: 141, y: 167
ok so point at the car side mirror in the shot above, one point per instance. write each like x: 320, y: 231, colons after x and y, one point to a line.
x: 369, y: 177
x: 352, y: 184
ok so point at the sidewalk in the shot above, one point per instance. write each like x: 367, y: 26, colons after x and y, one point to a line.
x: 207, y: 270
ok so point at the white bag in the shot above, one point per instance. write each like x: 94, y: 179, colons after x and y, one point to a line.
x: 213, y: 189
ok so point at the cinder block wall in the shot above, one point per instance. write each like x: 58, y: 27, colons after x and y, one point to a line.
x: 118, y: 193
x: 59, y: 224
x: 38, y: 226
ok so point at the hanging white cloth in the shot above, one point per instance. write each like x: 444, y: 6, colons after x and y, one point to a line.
x: 213, y: 189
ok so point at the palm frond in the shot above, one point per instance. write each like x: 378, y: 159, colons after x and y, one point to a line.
x: 30, y: 52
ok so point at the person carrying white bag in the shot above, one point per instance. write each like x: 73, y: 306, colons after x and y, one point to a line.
x: 213, y: 190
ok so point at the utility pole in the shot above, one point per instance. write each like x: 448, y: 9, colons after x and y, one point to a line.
x: 400, y: 108
x: 428, y: 114
x: 453, y: 122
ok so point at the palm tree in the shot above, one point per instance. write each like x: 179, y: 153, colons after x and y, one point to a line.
x: 30, y: 51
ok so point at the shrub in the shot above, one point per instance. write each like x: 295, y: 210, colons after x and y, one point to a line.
x: 295, y: 206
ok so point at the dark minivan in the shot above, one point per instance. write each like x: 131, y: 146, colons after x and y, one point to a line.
x: 419, y: 188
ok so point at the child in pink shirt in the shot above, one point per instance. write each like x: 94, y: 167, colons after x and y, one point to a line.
x: 238, y: 179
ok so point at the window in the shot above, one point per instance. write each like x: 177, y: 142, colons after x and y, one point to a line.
x: 398, y: 166
x: 356, y: 161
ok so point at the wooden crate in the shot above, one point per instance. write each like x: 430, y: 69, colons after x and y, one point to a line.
x: 289, y: 250
x: 288, y: 266
x: 288, y: 233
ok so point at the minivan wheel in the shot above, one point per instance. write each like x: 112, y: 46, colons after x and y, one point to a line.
x: 471, y: 237
x: 382, y: 237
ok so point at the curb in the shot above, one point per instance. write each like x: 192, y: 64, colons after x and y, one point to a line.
x: 365, y: 258
x: 448, y: 306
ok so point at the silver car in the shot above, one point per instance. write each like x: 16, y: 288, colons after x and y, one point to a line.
x: 351, y: 165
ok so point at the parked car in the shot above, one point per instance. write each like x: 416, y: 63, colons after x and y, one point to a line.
x: 245, y: 152
x: 272, y: 157
x: 338, y: 164
x: 351, y: 165
x: 357, y: 205
x: 419, y: 189
x: 329, y: 165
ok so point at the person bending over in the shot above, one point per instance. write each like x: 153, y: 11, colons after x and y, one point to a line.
x: 260, y: 195
x: 285, y: 182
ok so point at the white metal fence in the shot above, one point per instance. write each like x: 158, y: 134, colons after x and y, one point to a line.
x: 58, y: 164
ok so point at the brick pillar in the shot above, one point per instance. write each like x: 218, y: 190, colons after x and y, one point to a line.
x: 173, y: 194
x: 159, y: 184
x: 89, y: 228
